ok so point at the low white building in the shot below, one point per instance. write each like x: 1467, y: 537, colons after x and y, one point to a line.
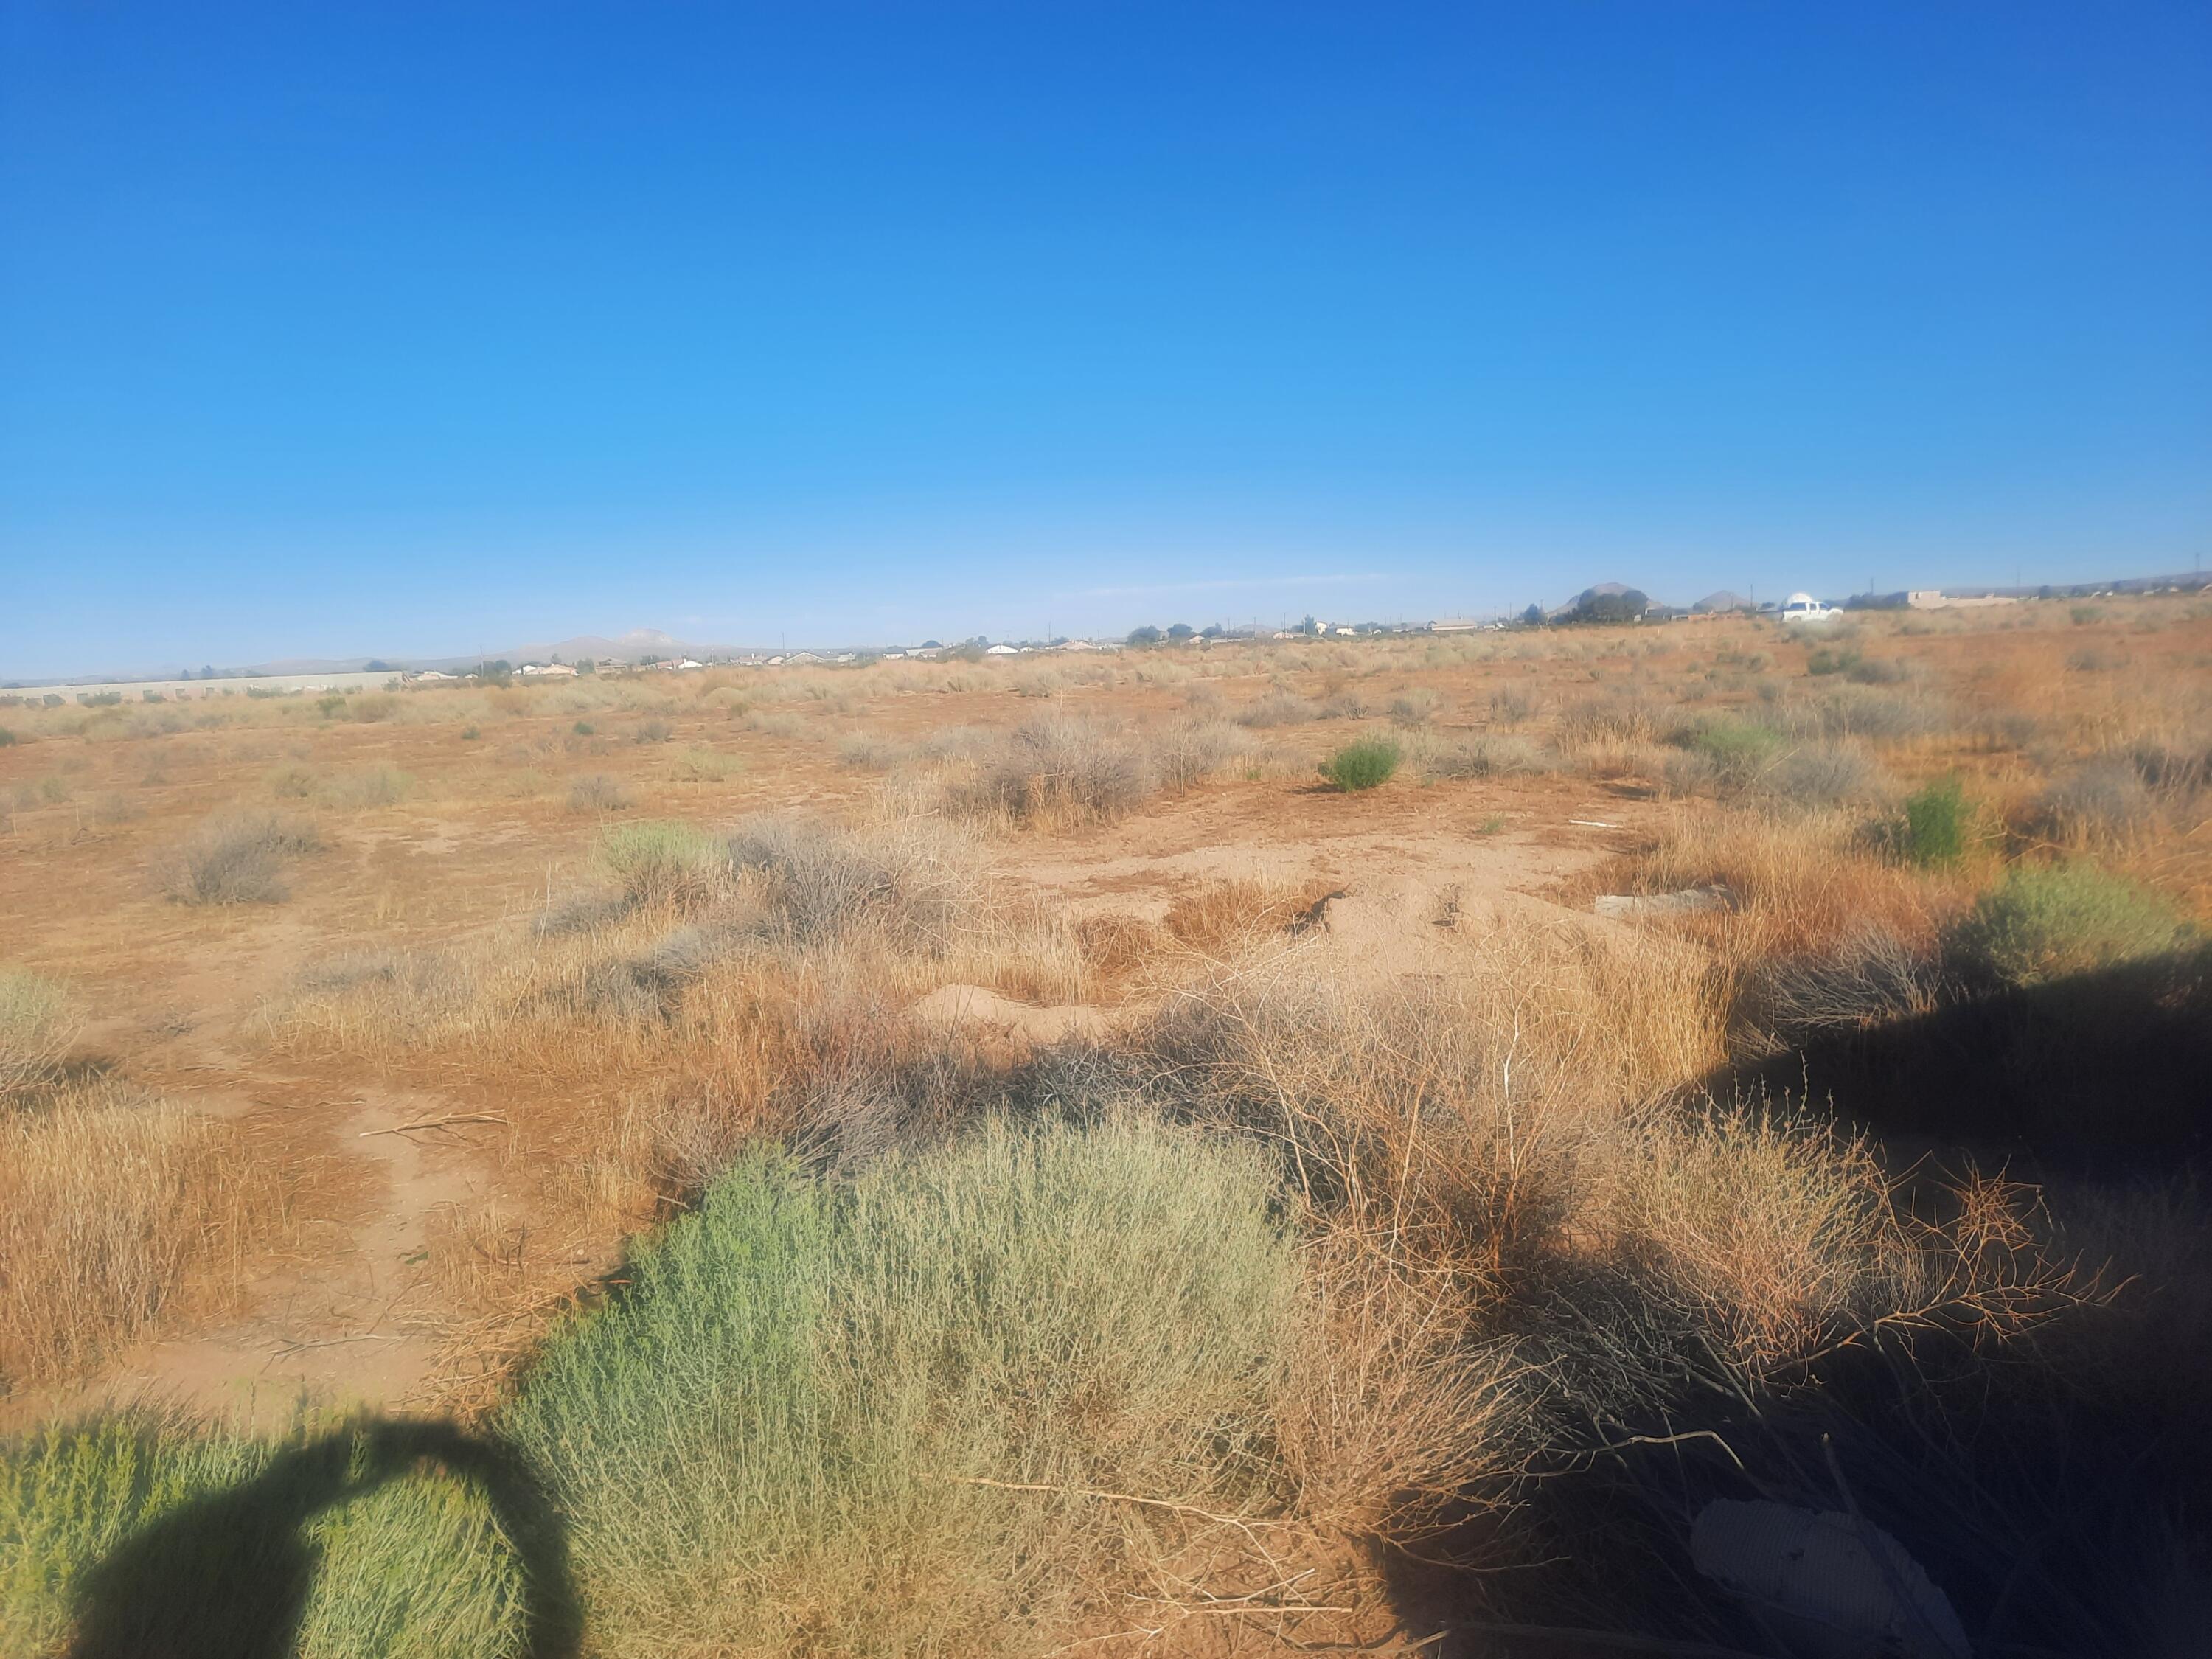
x: 1935, y: 598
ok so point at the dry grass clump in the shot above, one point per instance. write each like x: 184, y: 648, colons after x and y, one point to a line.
x: 1799, y: 885
x: 1219, y: 919
x: 816, y: 882
x: 866, y: 752
x: 374, y: 786
x: 1867, y: 978
x: 1054, y: 771
x: 1489, y: 756
x: 2104, y: 801
x: 37, y: 1026
x: 1873, y: 714
x: 116, y: 1206
x: 1189, y: 752
x: 1279, y: 708
x: 595, y: 792
x: 1416, y: 707
x: 1616, y: 719
x: 1824, y: 775
x: 236, y: 859
x: 1518, y: 1231
x: 699, y: 764
x: 1513, y: 706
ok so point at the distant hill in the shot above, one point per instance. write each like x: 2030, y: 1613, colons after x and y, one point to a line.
x: 1726, y: 599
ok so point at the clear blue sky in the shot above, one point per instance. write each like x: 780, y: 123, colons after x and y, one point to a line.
x: 406, y: 329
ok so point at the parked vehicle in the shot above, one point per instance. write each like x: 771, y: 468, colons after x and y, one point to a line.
x: 1804, y: 608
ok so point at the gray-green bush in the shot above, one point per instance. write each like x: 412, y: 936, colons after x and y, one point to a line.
x: 2047, y: 922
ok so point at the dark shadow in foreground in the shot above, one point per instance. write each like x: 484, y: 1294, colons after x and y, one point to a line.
x: 227, y: 1575
x: 2054, y: 1490
x: 2105, y: 1070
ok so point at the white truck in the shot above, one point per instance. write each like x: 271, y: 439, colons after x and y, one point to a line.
x: 1804, y: 608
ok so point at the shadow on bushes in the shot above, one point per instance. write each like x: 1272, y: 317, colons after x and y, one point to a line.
x: 2110, y: 1065
x: 228, y: 1575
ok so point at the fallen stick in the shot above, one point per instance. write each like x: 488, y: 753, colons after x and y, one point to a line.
x: 434, y: 1123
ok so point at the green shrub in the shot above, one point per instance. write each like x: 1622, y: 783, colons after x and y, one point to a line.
x: 2051, y: 921
x: 787, y: 1410
x: 583, y: 729
x: 1937, y: 822
x: 7, y: 737
x: 36, y: 1025
x: 664, y: 862
x: 1738, y: 749
x: 1362, y: 764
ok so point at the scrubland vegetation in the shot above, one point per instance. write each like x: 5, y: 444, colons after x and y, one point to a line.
x: 972, y: 1159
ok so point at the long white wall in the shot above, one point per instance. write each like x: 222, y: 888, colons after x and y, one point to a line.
x: 192, y: 690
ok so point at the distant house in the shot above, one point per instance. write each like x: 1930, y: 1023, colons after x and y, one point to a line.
x: 1002, y: 651
x: 431, y: 674
x: 1448, y: 625
x: 551, y: 670
x: 798, y: 658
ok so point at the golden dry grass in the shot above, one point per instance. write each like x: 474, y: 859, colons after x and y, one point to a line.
x: 121, y: 1213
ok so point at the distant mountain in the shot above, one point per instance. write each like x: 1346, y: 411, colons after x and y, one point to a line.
x: 638, y: 643
x: 1724, y: 599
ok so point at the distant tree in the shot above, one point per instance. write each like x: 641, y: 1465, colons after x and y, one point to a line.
x: 932, y: 644
x: 1533, y: 616
x: 1180, y: 630
x: 1145, y: 635
x: 1627, y: 605
x: 586, y: 666
x: 206, y: 671
x: 1213, y: 631
x: 376, y: 665
x: 1309, y: 626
